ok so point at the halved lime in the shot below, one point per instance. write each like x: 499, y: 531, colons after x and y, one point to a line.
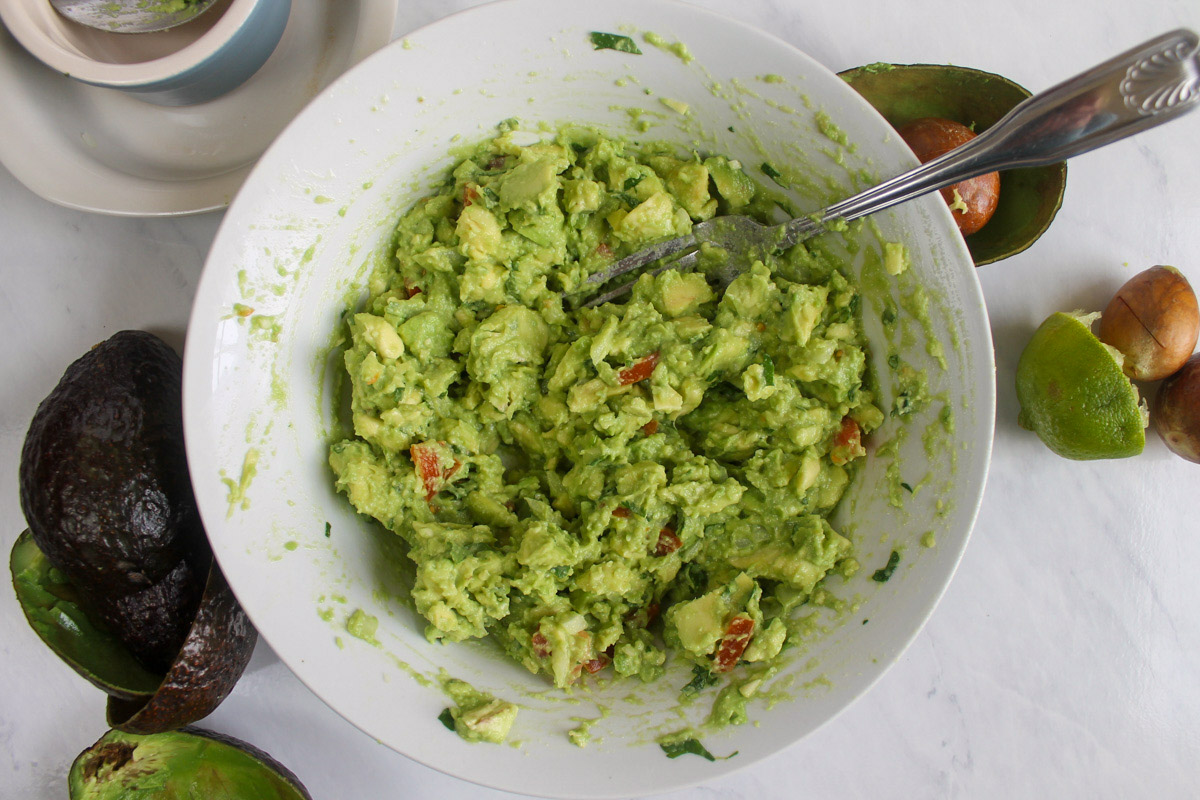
x: 1074, y: 395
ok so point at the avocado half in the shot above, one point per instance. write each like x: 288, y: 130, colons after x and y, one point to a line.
x: 105, y: 490
x: 51, y: 606
x: 218, y: 646
x: 1029, y: 197
x: 212, y: 659
x: 180, y: 765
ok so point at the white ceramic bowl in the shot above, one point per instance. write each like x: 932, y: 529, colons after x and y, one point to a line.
x: 291, y: 256
x: 189, y: 64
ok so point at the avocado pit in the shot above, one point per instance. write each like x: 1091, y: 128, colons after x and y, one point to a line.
x: 1030, y: 197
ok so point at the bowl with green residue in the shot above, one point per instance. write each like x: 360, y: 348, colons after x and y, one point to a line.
x: 189, y: 64
x: 1029, y: 197
x: 301, y: 251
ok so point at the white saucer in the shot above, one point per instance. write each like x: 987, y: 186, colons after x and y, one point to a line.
x: 97, y: 149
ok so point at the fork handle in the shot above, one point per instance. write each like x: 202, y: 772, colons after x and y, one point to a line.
x: 1153, y: 83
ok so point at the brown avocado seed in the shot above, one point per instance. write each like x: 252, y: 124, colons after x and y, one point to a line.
x: 1153, y: 320
x: 1176, y: 412
x: 974, y: 200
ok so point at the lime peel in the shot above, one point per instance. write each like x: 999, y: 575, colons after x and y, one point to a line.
x: 1074, y: 395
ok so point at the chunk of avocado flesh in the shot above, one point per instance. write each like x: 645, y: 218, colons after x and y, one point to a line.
x: 51, y: 607
x: 179, y: 765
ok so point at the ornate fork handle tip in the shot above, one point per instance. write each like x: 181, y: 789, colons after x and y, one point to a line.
x: 1164, y: 80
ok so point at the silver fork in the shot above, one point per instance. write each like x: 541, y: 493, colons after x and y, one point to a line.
x: 1153, y: 83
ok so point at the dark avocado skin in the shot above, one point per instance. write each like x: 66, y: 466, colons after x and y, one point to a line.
x: 208, y: 665
x: 105, y: 490
x: 139, y: 620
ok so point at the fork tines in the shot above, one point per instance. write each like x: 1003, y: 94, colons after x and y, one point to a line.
x: 643, y: 257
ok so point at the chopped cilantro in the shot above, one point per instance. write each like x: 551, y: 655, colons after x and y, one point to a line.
x: 693, y: 746
x: 328, y: 528
x: 902, y: 405
x: 627, y: 199
x: 906, y: 487
x: 613, y: 41
x: 772, y: 173
x: 703, y: 678
x: 447, y: 719
x: 894, y: 361
x: 768, y: 370
x: 632, y: 182
x: 882, y: 575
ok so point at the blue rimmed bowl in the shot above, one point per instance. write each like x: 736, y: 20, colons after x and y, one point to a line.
x: 186, y: 65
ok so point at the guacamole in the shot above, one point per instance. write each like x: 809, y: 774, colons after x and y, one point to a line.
x: 598, y: 488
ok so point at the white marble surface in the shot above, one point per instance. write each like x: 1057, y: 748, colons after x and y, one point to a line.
x: 1063, y: 660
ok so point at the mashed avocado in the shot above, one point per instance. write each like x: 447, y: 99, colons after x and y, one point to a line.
x: 595, y: 488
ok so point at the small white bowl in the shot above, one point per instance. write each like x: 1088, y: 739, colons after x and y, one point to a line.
x: 189, y: 64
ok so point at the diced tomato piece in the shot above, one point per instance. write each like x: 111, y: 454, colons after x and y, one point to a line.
x: 847, y: 445
x: 541, y: 647
x: 429, y: 467
x: 496, y: 163
x: 738, y: 634
x: 470, y: 194
x: 668, y: 542
x: 596, y: 664
x: 639, y: 370
x: 650, y: 428
x: 412, y: 290
x: 621, y: 512
x: 603, y: 249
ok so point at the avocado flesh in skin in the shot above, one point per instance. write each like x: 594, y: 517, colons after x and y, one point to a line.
x: 218, y: 647
x: 1029, y: 197
x: 179, y: 765
x: 51, y: 606
x: 104, y: 486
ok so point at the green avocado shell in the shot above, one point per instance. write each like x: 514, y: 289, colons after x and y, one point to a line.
x: 180, y: 765
x: 1029, y: 197
x: 52, y: 609
x: 216, y: 651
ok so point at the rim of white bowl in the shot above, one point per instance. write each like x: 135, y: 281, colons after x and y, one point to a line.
x: 29, y: 21
x: 196, y: 374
